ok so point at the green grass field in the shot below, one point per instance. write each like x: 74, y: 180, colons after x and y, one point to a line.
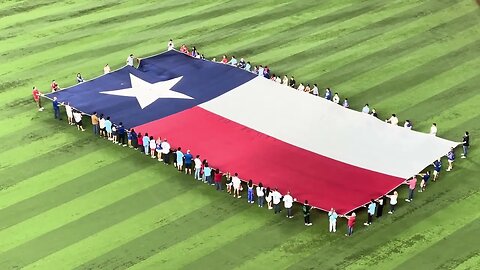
x: 70, y: 200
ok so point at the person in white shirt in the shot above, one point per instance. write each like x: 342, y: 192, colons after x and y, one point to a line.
x: 69, y: 111
x: 165, y: 151
x: 366, y: 109
x: 170, y: 45
x: 315, y: 90
x: 106, y: 69
x: 198, y: 167
x: 236, y: 183
x: 288, y: 203
x: 276, y: 198
x: 101, y: 124
x: 268, y: 198
x: 130, y: 60
x: 407, y: 124
x: 336, y: 98
x: 77, y: 116
x: 433, y: 129
x: 260, y: 194
x: 301, y: 87
x: 285, y: 80
x: 332, y: 220
x: 278, y: 80
x: 392, y: 120
x: 393, y: 201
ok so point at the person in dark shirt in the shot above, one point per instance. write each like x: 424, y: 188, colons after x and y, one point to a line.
x: 56, y: 108
x: 121, y: 134
x: 465, y: 144
x: 134, y: 137
x: 306, y: 213
x: 188, y: 158
x: 291, y: 83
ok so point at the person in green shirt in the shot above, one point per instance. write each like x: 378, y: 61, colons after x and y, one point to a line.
x: 306, y: 213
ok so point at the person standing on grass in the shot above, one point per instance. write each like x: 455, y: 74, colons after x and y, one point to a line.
x: 381, y: 202
x: 276, y: 198
x: 170, y: 45
x: 56, y: 108
x: 36, y: 97
x: 140, y: 142
x: 425, y: 178
x: 451, y: 159
x: 328, y: 94
x: 130, y: 60
x: 350, y: 223
x: 180, y: 157
x: 315, y: 91
x: 188, y: 163
x: 288, y: 203
x: 268, y: 198
x: 198, y: 166
x: 54, y: 86
x: 437, y: 167
x: 80, y: 78
x: 133, y: 139
x: 306, y: 213
x: 371, y: 211
x: 412, y: 184
x: 77, y: 116
x: 106, y: 69
x: 336, y: 98
x: 366, y: 109
x: 260, y: 194
x: 217, y: 179
x: 152, y: 145
x: 332, y: 220
x: 465, y: 144
x: 433, y: 129
x: 146, y: 144
x: 207, y: 171
x: 166, y: 151
x: 393, y: 201
x: 101, y: 125
x: 250, y: 191
x: 121, y: 134
x: 236, y: 183
x: 108, y: 128
x: 95, y: 123
x: 345, y: 103
x: 69, y: 112
x: 229, y: 183
x: 393, y: 120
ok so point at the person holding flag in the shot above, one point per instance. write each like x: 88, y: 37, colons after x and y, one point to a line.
x: 437, y: 167
x: 332, y: 220
x: 36, y: 96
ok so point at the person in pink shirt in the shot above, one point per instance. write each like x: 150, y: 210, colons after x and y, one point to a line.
x: 350, y: 223
x: 412, y: 183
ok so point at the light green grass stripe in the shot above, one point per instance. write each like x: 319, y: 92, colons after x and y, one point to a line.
x: 341, y: 59
x: 326, y: 34
x: 432, y: 230
x: 53, y: 177
x: 416, y: 58
x: 471, y: 264
x: 77, y: 208
x: 203, y: 243
x: 30, y: 149
x: 20, y: 121
x: 123, y: 232
x: 431, y: 86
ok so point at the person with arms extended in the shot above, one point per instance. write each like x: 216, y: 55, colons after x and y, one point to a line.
x: 36, y: 97
x: 350, y: 223
x: 332, y: 220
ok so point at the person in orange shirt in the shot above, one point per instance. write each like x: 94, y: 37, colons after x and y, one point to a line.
x: 95, y: 123
x: 36, y: 96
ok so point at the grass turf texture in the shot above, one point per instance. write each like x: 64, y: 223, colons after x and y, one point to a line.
x: 69, y: 200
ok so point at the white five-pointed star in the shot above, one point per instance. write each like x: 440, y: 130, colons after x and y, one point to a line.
x: 147, y: 93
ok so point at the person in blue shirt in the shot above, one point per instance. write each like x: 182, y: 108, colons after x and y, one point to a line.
x: 437, y: 167
x: 233, y: 61
x: 328, y: 94
x: 121, y: 134
x: 180, y: 157
x: 366, y: 109
x: 332, y: 220
x: 451, y: 159
x: 133, y: 138
x: 146, y: 143
x: 207, y: 173
x: 108, y: 128
x: 248, y: 67
x: 188, y: 162
x: 425, y: 177
x: 56, y: 108
x: 371, y: 211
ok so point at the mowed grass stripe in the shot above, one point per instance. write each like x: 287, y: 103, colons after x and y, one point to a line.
x: 462, y: 246
x: 367, y: 25
x: 125, y: 231
x: 204, y: 242
x: 99, y: 220
x: 77, y: 208
x: 59, y: 173
x: 338, y: 65
x: 22, y: 120
x: 416, y: 57
x: 469, y: 264
x: 67, y: 191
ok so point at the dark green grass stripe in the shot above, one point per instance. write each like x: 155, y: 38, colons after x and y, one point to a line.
x: 462, y: 245
x: 24, y: 7
x: 389, y: 54
x: 298, y: 31
x: 68, y: 191
x: 455, y: 132
x: 349, y: 41
x: 249, y: 245
x: 419, y: 74
x: 463, y: 91
x: 163, y: 237
x: 15, y: 174
x: 95, y: 222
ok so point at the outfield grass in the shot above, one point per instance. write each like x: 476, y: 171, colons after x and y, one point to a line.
x: 69, y: 200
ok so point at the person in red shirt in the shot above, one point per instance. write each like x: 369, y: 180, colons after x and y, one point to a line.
x: 217, y: 178
x: 54, y: 86
x: 36, y: 96
x: 184, y: 49
x: 350, y: 223
x: 224, y: 59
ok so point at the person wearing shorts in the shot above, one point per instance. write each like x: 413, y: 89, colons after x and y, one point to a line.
x: 77, y: 115
x: 229, y: 183
x: 108, y: 128
x: 188, y: 162
x: 69, y: 111
x: 437, y: 167
x: 268, y: 198
x: 236, y: 183
x: 36, y: 96
x: 180, y: 156
x: 101, y: 124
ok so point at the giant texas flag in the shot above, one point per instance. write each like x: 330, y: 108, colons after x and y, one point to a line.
x: 267, y: 132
